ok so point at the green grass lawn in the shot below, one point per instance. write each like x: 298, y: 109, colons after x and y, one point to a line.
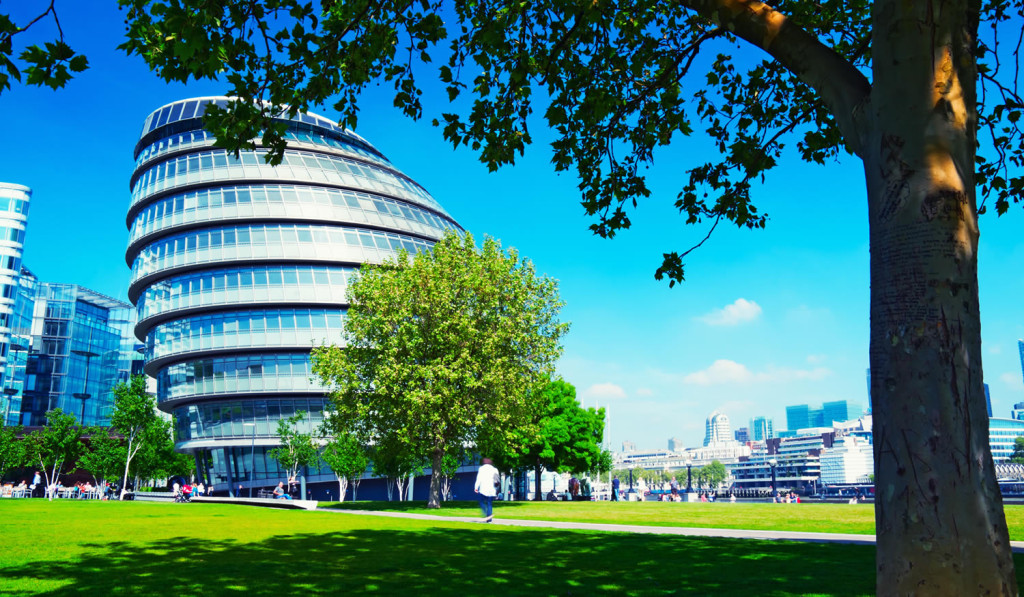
x: 138, y: 548
x: 807, y: 517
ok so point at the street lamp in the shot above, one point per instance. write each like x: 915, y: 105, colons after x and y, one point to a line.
x: 84, y: 394
x: 773, y: 463
x: 689, y: 486
x: 252, y: 463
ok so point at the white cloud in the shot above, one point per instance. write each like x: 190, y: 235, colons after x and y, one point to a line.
x: 816, y: 359
x: 604, y: 391
x: 724, y: 371
x: 739, y: 312
x: 721, y: 371
x: 995, y: 349
x: 1013, y: 380
x: 644, y: 392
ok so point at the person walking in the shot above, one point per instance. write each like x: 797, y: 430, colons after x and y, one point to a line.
x: 615, y: 489
x: 486, y: 480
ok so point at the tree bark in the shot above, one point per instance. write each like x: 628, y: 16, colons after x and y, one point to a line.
x: 537, y: 496
x: 434, y: 496
x: 938, y: 511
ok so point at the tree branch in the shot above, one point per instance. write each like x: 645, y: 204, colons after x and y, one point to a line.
x: 842, y: 87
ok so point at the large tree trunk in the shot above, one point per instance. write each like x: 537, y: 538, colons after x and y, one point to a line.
x: 434, y: 497
x: 939, y: 514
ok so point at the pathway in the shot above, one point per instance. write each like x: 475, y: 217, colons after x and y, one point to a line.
x: 1018, y: 546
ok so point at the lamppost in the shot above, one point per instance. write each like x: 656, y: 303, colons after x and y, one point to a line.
x: 773, y: 463
x: 689, y: 486
x: 252, y: 463
x: 9, y: 394
x: 84, y: 394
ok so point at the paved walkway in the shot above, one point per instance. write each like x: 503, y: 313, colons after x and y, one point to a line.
x: 1018, y: 546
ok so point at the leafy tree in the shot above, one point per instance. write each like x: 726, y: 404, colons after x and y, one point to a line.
x: 564, y: 437
x: 156, y: 458
x: 923, y: 94
x: 49, y: 65
x: 105, y: 456
x: 57, y: 446
x: 1018, y: 451
x: 345, y: 453
x: 393, y: 460
x: 713, y: 474
x: 297, y: 449
x: 134, y: 415
x: 441, y: 347
x: 12, y: 450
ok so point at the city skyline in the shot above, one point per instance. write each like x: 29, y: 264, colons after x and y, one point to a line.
x: 766, y: 319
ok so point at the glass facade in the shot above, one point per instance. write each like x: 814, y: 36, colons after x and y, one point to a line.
x: 239, y: 268
x: 14, y: 200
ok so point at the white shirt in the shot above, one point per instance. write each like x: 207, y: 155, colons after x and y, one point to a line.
x: 485, y: 478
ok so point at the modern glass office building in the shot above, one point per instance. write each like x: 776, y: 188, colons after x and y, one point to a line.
x: 239, y: 268
x: 14, y: 199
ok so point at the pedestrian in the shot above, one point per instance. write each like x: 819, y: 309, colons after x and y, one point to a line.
x: 486, y: 480
x: 675, y: 486
x: 37, y: 484
x: 280, y: 493
x: 615, y: 489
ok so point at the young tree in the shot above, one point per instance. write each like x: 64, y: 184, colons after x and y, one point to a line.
x: 345, y: 453
x: 714, y: 474
x: 133, y: 415
x: 57, y: 446
x: 12, y: 449
x: 440, y: 346
x: 298, y: 449
x: 913, y: 89
x: 564, y: 436
x: 1018, y: 451
x: 156, y: 458
x: 106, y: 454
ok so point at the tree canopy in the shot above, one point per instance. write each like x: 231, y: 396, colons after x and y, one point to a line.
x: 298, y: 448
x: 57, y: 446
x: 563, y: 437
x: 134, y: 415
x: 440, y: 346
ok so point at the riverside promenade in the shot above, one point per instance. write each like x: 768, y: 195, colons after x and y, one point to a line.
x: 1018, y: 546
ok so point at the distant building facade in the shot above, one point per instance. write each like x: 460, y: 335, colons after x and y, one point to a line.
x: 717, y: 429
x: 675, y: 444
x: 762, y: 429
x: 849, y: 460
x: 742, y: 435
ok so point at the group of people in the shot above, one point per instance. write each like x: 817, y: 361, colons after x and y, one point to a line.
x: 186, y: 491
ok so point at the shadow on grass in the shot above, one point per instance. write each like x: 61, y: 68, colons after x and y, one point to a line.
x: 458, y: 561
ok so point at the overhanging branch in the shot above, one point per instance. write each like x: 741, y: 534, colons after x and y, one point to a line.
x: 841, y: 86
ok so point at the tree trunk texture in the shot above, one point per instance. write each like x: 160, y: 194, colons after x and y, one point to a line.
x: 939, y: 514
x: 537, y: 496
x: 434, y: 496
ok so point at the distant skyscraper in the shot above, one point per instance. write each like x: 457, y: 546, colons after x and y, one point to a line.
x: 675, y: 444
x: 742, y: 435
x: 1020, y: 347
x: 717, y: 430
x: 628, y: 446
x: 762, y: 429
x: 1018, y: 411
x: 839, y: 411
x: 798, y: 417
x: 988, y: 401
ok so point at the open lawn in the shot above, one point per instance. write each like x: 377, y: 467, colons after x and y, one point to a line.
x: 807, y: 517
x: 89, y: 548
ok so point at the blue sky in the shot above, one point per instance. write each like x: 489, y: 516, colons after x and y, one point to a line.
x: 765, y: 319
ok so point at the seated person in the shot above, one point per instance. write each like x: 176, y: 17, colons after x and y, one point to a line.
x: 280, y: 493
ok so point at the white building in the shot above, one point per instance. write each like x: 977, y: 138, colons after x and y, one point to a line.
x: 849, y: 460
x: 718, y: 430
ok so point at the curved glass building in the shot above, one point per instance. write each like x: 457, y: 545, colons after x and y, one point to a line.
x: 239, y: 268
